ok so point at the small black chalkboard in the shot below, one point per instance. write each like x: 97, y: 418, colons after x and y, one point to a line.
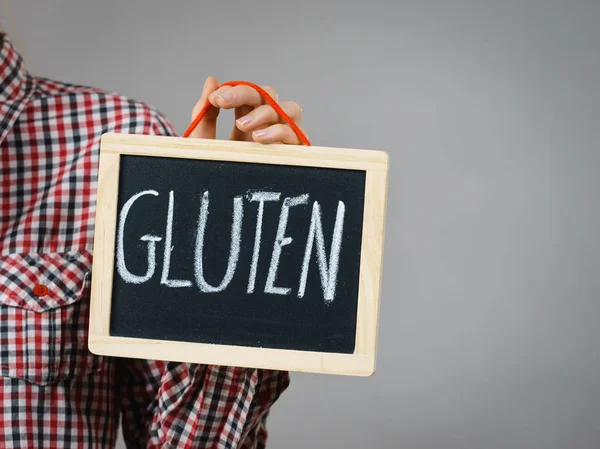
x: 234, y: 251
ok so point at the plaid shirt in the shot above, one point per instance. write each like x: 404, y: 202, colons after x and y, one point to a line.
x: 53, y: 391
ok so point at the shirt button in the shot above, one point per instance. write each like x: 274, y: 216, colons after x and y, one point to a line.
x: 40, y: 290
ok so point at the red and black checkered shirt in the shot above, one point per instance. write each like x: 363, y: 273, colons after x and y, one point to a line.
x: 53, y: 392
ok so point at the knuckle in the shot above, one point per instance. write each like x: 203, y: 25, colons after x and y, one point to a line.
x: 278, y: 129
x: 271, y: 91
x: 233, y: 90
x: 274, y: 129
x: 295, y: 109
x: 269, y: 113
x: 221, y: 90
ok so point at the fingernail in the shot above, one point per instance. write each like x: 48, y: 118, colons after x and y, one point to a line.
x: 245, y: 120
x: 261, y: 133
x: 214, y: 94
x: 225, y: 96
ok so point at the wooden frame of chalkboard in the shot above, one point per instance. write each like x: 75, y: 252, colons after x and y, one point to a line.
x: 374, y: 164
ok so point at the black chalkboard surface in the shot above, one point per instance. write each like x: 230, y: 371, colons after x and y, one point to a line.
x: 235, y: 250
x: 241, y: 306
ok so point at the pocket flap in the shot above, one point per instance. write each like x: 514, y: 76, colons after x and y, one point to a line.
x: 40, y: 282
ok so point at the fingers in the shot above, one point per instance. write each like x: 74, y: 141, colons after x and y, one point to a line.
x: 207, y: 128
x: 265, y: 115
x: 229, y: 97
x: 255, y: 120
x: 278, y: 133
x: 237, y: 133
x: 243, y: 99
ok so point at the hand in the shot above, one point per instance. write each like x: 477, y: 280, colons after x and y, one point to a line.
x: 255, y: 119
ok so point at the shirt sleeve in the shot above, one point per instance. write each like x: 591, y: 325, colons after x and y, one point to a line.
x: 180, y: 405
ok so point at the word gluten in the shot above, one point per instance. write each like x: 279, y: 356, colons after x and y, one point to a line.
x: 327, y: 264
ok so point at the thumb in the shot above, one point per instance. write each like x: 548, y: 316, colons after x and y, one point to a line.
x: 207, y: 128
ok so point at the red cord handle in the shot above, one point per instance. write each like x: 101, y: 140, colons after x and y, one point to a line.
x: 267, y: 98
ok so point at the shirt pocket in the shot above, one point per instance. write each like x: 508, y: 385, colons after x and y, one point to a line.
x: 44, y: 316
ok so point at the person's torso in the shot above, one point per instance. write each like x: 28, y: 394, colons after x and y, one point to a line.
x: 51, y: 385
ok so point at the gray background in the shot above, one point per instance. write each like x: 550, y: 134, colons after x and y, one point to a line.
x: 490, y: 111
